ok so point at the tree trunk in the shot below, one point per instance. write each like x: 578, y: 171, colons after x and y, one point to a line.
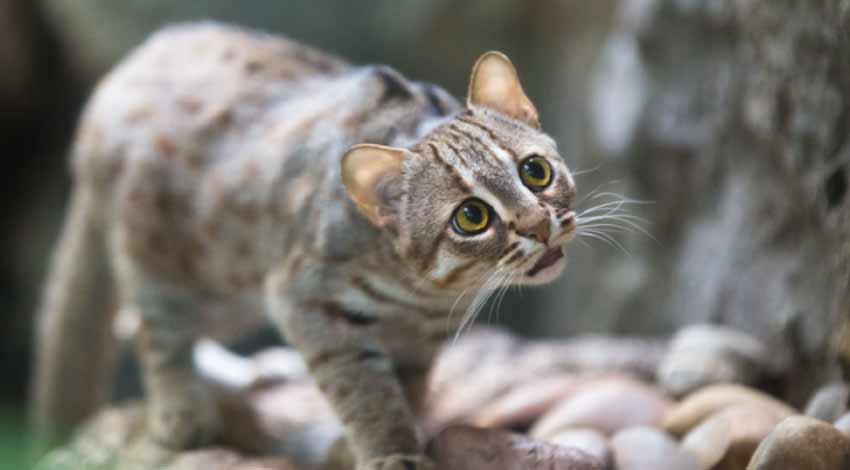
x: 740, y: 137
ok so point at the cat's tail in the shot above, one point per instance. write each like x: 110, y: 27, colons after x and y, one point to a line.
x: 75, y: 346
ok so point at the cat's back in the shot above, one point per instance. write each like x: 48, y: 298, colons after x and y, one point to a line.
x: 190, y: 90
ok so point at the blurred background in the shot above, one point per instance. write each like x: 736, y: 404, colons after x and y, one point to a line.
x: 731, y: 117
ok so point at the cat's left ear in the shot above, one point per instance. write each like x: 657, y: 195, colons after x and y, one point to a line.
x: 372, y: 176
x: 495, y: 84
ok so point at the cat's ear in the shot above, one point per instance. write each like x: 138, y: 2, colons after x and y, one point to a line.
x: 372, y: 176
x: 495, y: 84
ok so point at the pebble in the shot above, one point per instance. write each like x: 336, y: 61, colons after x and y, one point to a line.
x: 727, y: 439
x: 707, y: 401
x: 704, y: 354
x: 596, y: 354
x: 843, y: 424
x: 802, y: 443
x: 829, y: 402
x: 523, y: 404
x: 644, y: 448
x: 591, y: 441
x: 607, y: 405
x: 220, y: 459
x: 470, y: 448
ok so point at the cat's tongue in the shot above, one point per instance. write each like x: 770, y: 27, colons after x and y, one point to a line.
x: 548, y: 259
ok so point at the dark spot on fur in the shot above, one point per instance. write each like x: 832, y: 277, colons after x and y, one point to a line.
x: 395, y: 87
x: 433, y: 95
x: 835, y: 188
x: 253, y: 66
x: 369, y: 354
x: 164, y: 146
x: 358, y: 318
x: 190, y: 104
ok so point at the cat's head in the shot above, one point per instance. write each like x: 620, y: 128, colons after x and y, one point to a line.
x: 486, y: 192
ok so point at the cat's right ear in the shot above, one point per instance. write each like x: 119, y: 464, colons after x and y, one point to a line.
x: 372, y: 176
x: 495, y: 84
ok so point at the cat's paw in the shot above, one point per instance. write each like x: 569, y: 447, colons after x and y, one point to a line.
x: 399, y: 462
x: 184, y: 423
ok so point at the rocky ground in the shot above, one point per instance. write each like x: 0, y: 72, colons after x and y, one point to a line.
x: 698, y: 402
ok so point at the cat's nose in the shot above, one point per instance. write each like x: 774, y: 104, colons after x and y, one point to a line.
x: 539, y: 230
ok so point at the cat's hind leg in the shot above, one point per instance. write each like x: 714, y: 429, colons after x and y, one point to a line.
x: 181, y: 408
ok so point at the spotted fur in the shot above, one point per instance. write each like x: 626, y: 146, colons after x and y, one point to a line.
x: 208, y: 172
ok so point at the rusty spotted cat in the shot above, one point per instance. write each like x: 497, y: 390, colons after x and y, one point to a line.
x: 221, y: 172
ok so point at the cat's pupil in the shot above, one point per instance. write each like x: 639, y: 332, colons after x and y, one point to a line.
x: 535, y: 170
x: 473, y: 213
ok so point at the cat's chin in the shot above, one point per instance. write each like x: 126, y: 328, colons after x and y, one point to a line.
x: 548, y: 268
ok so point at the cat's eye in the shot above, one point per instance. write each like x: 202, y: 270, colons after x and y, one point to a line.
x: 535, y: 172
x: 472, y: 217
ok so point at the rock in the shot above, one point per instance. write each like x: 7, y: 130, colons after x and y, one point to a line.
x: 843, y: 424
x: 707, y: 401
x: 644, y: 448
x: 709, y: 441
x: 114, y: 440
x: 525, y: 403
x: 727, y: 439
x: 301, y: 419
x: 596, y: 354
x: 607, y: 405
x: 478, y: 368
x: 591, y: 441
x: 701, y: 355
x: 829, y: 402
x: 470, y: 448
x: 221, y: 459
x: 802, y: 443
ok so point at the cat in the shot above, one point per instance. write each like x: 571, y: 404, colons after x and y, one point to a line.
x: 221, y: 172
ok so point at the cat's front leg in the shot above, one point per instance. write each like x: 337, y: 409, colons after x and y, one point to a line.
x: 359, y: 380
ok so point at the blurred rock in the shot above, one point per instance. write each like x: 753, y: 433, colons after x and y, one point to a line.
x: 591, y: 441
x: 594, y: 353
x: 800, y: 442
x: 704, y: 354
x: 469, y: 448
x: 643, y: 448
x: 479, y: 367
x: 114, y: 440
x: 829, y: 402
x: 524, y: 403
x: 709, y: 400
x: 843, y: 424
x: 607, y: 405
x: 727, y: 439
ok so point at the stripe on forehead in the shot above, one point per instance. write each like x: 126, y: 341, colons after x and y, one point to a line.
x: 476, y: 180
x: 488, y: 138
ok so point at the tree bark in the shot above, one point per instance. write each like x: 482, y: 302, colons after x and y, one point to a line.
x: 741, y: 139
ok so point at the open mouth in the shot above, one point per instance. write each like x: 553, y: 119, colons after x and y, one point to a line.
x: 548, y: 259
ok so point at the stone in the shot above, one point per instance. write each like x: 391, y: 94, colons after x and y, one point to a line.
x: 705, y: 402
x: 607, y: 405
x: 596, y: 354
x: 645, y: 448
x: 727, y: 439
x: 470, y: 448
x: 802, y: 443
x: 593, y: 442
x: 523, y: 404
x: 478, y: 368
x: 829, y: 402
x: 705, y: 354
x: 843, y: 424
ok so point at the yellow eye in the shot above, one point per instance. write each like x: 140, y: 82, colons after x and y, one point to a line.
x: 471, y: 217
x: 535, y: 172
